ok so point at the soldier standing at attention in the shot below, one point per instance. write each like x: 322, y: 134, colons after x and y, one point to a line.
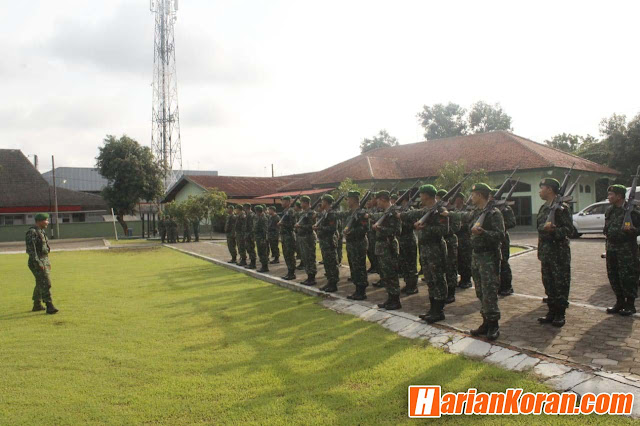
x: 408, y: 260
x: 241, y: 241
x: 173, y: 230
x: 623, y: 266
x: 249, y: 236
x: 451, y: 239
x: 554, y: 253
x: 328, y: 238
x: 37, y: 246
x: 260, y: 230
x: 307, y: 239
x: 372, y: 208
x: 487, y: 233
x: 356, y: 236
x: 464, y: 242
x: 386, y: 251
x: 288, y: 237
x: 196, y: 229
x: 186, y: 232
x: 230, y: 231
x: 433, y: 252
x: 273, y: 235
x: 506, y: 278
x: 162, y: 228
x: 298, y: 213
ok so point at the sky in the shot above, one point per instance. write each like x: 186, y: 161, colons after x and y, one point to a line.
x: 299, y: 84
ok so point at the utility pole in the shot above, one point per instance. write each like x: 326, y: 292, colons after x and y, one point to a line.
x: 55, y: 196
x: 272, y: 175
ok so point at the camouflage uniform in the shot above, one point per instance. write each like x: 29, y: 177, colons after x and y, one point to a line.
x: 357, y: 244
x: 371, y: 236
x: 173, y: 231
x: 328, y: 238
x: 37, y: 246
x: 162, y: 229
x: 196, y: 229
x: 386, y: 250
x: 288, y: 237
x: 230, y: 230
x: 623, y: 266
x: 554, y: 254
x: 297, y: 217
x: 241, y: 241
x: 464, y: 247
x: 485, y: 266
x: 260, y: 230
x: 451, y: 239
x: 339, y: 226
x: 186, y: 232
x: 307, y: 242
x: 249, y: 236
x: 505, y: 248
x: 273, y: 236
x: 408, y: 253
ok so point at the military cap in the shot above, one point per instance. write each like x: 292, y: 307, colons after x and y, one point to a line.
x: 298, y: 203
x: 328, y: 197
x: 238, y: 207
x: 551, y: 183
x: 247, y: 205
x: 383, y: 194
x: 481, y: 187
x: 353, y: 194
x: 441, y: 192
x: 258, y: 208
x: 286, y: 198
x: 618, y: 189
x: 428, y: 189
x: 305, y: 198
x: 42, y: 216
x: 272, y: 208
x: 460, y: 195
x: 393, y: 196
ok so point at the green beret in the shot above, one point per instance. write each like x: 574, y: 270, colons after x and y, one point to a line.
x: 460, y: 195
x: 551, y: 183
x: 394, y: 196
x: 272, y: 207
x: 481, y: 187
x: 441, y: 192
x: 298, y: 203
x: 383, y: 194
x: 618, y: 189
x: 42, y: 216
x: 258, y: 208
x: 428, y: 189
x: 286, y: 198
x: 305, y: 198
x: 238, y: 207
x: 247, y: 205
x: 353, y: 194
x: 328, y: 197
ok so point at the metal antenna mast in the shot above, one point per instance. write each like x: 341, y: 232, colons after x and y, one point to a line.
x: 165, y: 119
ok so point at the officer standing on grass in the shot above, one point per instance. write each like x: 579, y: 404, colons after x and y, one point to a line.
x: 37, y: 246
x: 230, y: 231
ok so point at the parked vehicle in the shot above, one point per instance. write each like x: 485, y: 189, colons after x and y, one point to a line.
x: 590, y: 220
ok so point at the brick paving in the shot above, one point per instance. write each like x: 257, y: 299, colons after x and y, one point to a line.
x: 591, y: 337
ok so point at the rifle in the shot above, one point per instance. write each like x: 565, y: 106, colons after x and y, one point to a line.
x: 564, y: 196
x: 363, y: 202
x: 631, y: 201
x: 507, y: 199
x: 286, y: 214
x: 326, y: 212
x: 311, y: 210
x: 394, y: 208
x: 443, y: 202
x: 497, y: 199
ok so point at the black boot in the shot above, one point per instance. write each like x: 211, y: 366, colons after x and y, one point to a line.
x: 331, y: 287
x: 252, y: 265
x: 265, y: 268
x: 232, y: 260
x: 291, y: 275
x: 493, y: 330
x: 37, y: 306
x: 506, y: 291
x: 464, y: 284
x: 243, y: 262
x: 410, y: 288
x: 430, y: 311
x: 311, y: 280
x: 617, y: 307
x: 482, y: 330
x: 300, y: 267
x: 548, y: 318
x: 378, y: 284
x: 438, y: 312
x: 275, y: 261
x: 558, y: 318
x: 360, y: 293
x: 629, y: 307
x: 451, y: 295
x: 392, y: 303
x: 50, y: 308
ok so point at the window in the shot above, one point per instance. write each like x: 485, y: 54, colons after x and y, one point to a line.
x: 597, y: 209
x: 78, y: 217
x: 13, y: 220
x: 522, y: 211
x: 520, y: 187
x: 587, y: 189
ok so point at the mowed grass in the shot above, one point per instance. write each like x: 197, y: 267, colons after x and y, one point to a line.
x: 155, y: 336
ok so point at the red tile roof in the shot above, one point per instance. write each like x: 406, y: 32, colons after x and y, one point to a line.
x: 244, y: 186
x: 295, y: 193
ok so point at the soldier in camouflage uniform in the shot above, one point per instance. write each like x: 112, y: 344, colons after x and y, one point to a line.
x: 298, y: 213
x: 340, y: 226
x: 328, y: 238
x: 195, y: 223
x: 356, y: 235
x: 554, y: 253
x: 464, y: 242
x: 260, y: 231
x: 623, y: 266
x: 241, y: 220
x: 186, y: 232
x: 433, y: 251
x: 408, y: 260
x: 506, y: 287
x: 451, y: 239
x: 37, y: 246
x: 287, y: 235
x: 249, y: 236
x: 372, y: 208
x: 273, y: 235
x: 162, y: 228
x: 172, y: 230
x: 486, y: 236
x: 307, y: 240
x: 387, y: 250
x: 230, y: 231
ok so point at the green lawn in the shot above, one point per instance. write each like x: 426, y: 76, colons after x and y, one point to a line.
x: 133, y: 241
x: 154, y: 336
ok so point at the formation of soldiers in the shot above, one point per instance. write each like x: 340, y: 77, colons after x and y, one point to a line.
x: 168, y: 228
x: 447, y: 234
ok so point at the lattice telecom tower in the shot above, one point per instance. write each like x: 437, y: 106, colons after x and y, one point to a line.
x: 165, y: 119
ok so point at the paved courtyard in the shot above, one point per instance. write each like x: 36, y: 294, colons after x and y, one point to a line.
x: 591, y: 337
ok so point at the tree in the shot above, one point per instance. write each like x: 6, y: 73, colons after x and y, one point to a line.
x: 452, y: 173
x: 488, y: 118
x: 443, y: 121
x: 132, y: 175
x: 616, y: 124
x: 344, y: 187
x: 382, y: 139
x: 565, y: 142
